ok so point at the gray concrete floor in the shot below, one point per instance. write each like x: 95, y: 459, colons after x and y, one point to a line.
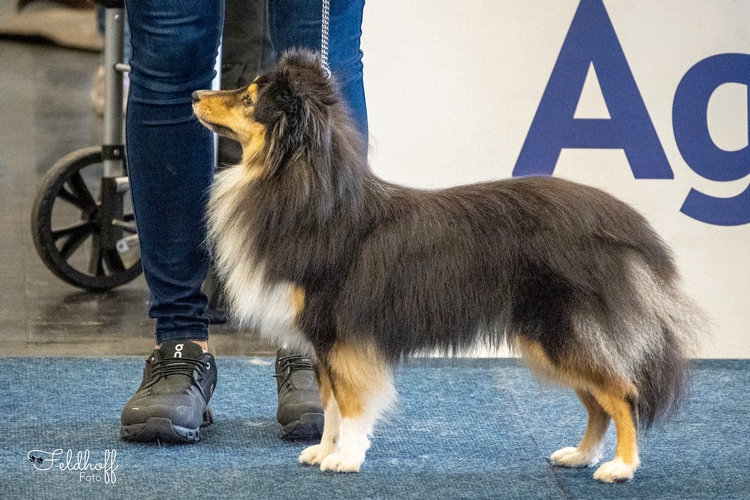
x: 45, y: 114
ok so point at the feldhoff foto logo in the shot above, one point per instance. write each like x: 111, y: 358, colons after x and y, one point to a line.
x: 82, y: 463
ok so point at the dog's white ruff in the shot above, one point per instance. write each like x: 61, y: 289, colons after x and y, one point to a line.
x: 254, y: 301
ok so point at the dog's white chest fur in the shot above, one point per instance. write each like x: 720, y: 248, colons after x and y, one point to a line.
x: 270, y: 307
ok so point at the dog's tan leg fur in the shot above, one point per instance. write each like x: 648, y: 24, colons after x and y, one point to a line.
x: 358, y: 383
x: 614, y: 400
x: 589, y: 450
x: 603, y: 397
x: 297, y: 299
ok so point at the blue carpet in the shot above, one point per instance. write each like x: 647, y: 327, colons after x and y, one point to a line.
x: 462, y: 429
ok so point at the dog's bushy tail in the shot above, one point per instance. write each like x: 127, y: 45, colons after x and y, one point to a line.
x: 669, y: 326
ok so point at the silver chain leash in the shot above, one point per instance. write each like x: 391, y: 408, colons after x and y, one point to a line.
x: 324, y: 39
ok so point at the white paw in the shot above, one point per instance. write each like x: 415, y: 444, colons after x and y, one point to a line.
x: 314, y: 455
x: 573, y: 457
x: 616, y: 471
x: 340, y: 462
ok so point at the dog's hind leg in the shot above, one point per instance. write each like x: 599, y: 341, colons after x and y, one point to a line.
x: 589, y: 450
x: 329, y: 442
x: 362, y: 388
x: 616, y: 399
x: 612, y: 395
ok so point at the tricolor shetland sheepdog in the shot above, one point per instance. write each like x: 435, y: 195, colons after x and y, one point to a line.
x: 315, y: 250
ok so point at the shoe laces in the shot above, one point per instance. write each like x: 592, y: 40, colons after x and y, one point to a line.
x: 290, y: 364
x: 176, y: 366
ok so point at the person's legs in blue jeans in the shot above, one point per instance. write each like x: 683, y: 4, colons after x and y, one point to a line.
x: 170, y: 164
x: 170, y: 156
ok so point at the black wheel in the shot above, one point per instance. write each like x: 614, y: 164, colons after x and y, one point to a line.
x: 83, y: 225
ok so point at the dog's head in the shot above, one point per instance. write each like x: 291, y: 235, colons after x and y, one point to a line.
x: 289, y: 115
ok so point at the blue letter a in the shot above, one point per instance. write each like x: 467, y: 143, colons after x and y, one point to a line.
x: 591, y: 39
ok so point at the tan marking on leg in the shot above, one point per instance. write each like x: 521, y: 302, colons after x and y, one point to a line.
x: 588, y: 451
x: 613, y: 397
x: 359, y: 376
x: 297, y: 299
x: 611, y: 394
x: 614, y: 401
x: 362, y: 388
x: 567, y: 372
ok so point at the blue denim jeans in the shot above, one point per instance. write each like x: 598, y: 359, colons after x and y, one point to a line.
x: 170, y: 155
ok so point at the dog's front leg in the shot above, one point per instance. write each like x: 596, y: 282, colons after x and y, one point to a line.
x: 329, y: 442
x: 362, y: 389
x: 354, y: 444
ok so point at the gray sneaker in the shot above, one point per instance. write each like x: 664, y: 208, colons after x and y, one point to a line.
x: 300, y: 412
x: 172, y: 402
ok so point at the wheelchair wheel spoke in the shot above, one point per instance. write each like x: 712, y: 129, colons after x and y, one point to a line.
x: 113, y: 260
x: 66, y: 195
x: 74, y: 237
x: 96, y: 267
x: 80, y: 196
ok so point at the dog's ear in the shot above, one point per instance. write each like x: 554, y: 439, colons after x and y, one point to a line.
x: 281, y: 108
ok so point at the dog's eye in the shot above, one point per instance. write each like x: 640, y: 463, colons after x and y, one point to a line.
x: 247, y: 101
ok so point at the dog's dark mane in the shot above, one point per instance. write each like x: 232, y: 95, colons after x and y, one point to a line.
x: 313, y: 197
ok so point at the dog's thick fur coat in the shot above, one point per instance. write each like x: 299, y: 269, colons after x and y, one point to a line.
x: 317, y: 251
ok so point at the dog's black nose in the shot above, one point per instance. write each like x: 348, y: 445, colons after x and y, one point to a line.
x: 195, y: 96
